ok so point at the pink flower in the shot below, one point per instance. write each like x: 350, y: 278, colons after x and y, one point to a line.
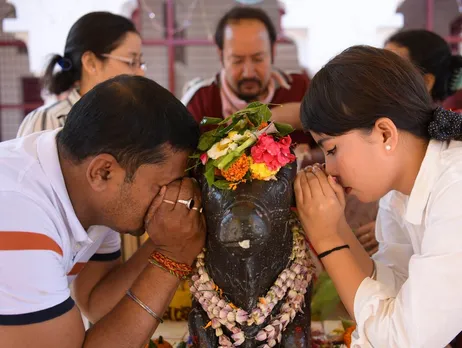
x: 275, y: 154
x: 204, y: 158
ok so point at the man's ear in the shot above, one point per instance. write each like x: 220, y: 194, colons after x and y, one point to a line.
x: 220, y: 55
x: 273, y: 53
x: 101, y: 169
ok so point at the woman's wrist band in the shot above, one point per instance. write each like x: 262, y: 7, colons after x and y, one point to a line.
x: 325, y: 253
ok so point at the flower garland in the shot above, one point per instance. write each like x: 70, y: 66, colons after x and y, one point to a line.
x: 291, y: 284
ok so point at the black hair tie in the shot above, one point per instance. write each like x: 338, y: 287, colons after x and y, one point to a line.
x: 65, y: 63
x: 446, y: 125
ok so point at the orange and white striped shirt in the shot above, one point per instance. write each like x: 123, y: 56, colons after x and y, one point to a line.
x: 43, y: 246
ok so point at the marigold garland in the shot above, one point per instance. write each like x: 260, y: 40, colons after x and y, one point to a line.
x: 237, y: 170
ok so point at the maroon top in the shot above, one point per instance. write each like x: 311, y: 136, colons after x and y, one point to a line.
x: 454, y: 102
x: 206, y: 100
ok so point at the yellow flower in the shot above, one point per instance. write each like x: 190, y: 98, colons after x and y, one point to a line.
x: 239, y: 138
x: 261, y: 172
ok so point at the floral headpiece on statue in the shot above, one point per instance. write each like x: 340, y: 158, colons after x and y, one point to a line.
x: 244, y: 146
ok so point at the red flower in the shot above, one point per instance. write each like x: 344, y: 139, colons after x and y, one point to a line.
x: 275, y: 154
x: 204, y: 158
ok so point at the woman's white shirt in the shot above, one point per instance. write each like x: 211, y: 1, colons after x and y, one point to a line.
x: 416, y: 300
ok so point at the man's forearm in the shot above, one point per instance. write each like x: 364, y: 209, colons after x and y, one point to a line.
x: 110, y: 290
x: 128, y: 324
x: 287, y: 113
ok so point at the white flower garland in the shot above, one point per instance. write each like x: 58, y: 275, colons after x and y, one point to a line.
x: 292, y: 283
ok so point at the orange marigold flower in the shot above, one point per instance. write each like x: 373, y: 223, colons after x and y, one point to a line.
x: 237, y: 170
x: 347, y: 335
x: 263, y: 125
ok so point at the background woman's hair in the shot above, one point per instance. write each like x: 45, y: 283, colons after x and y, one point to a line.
x: 98, y: 32
x: 363, y: 84
x: 432, y: 55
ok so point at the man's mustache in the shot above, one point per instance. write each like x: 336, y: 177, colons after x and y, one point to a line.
x: 241, y: 82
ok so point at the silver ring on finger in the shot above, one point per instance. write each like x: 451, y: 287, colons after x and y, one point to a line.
x: 168, y: 201
x: 197, y: 209
x: 188, y: 203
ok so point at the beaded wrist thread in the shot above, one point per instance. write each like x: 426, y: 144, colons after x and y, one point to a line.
x: 179, y: 270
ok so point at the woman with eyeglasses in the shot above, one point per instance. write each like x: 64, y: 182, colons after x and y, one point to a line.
x: 99, y: 46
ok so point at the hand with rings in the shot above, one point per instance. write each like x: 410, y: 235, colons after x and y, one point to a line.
x: 173, y: 222
x: 188, y: 203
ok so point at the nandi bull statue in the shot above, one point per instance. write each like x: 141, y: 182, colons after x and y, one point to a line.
x: 253, y: 280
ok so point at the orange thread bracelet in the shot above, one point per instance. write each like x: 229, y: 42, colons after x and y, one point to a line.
x: 180, y: 270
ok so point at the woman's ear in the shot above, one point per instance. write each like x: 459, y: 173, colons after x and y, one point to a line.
x: 387, y: 133
x: 429, y: 81
x: 89, y: 63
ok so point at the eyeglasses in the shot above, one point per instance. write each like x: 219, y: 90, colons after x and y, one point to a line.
x: 133, y: 63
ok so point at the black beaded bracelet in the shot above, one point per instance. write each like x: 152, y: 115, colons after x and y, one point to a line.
x: 325, y: 253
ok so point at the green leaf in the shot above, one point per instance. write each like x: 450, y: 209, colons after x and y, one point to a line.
x: 207, y: 140
x: 221, y: 184
x: 196, y: 155
x: 221, y: 132
x: 346, y: 323
x: 227, y: 119
x: 325, y: 299
x: 210, y: 121
x: 231, y: 163
x: 225, y: 160
x: 152, y: 344
x: 210, y: 172
x: 195, y: 165
x: 265, y: 113
x: 255, y: 104
x: 262, y: 114
x: 283, y: 128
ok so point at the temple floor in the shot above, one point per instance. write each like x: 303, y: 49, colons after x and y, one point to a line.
x: 175, y: 331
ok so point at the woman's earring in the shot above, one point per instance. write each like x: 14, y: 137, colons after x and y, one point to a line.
x: 388, y: 147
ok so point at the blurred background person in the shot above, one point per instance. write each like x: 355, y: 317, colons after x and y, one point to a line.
x: 99, y: 46
x: 442, y: 70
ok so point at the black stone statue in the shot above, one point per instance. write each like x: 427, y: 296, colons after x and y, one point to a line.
x: 248, y: 245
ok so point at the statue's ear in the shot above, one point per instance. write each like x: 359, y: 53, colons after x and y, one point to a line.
x: 198, y: 174
x: 289, y: 172
x: 293, y: 203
